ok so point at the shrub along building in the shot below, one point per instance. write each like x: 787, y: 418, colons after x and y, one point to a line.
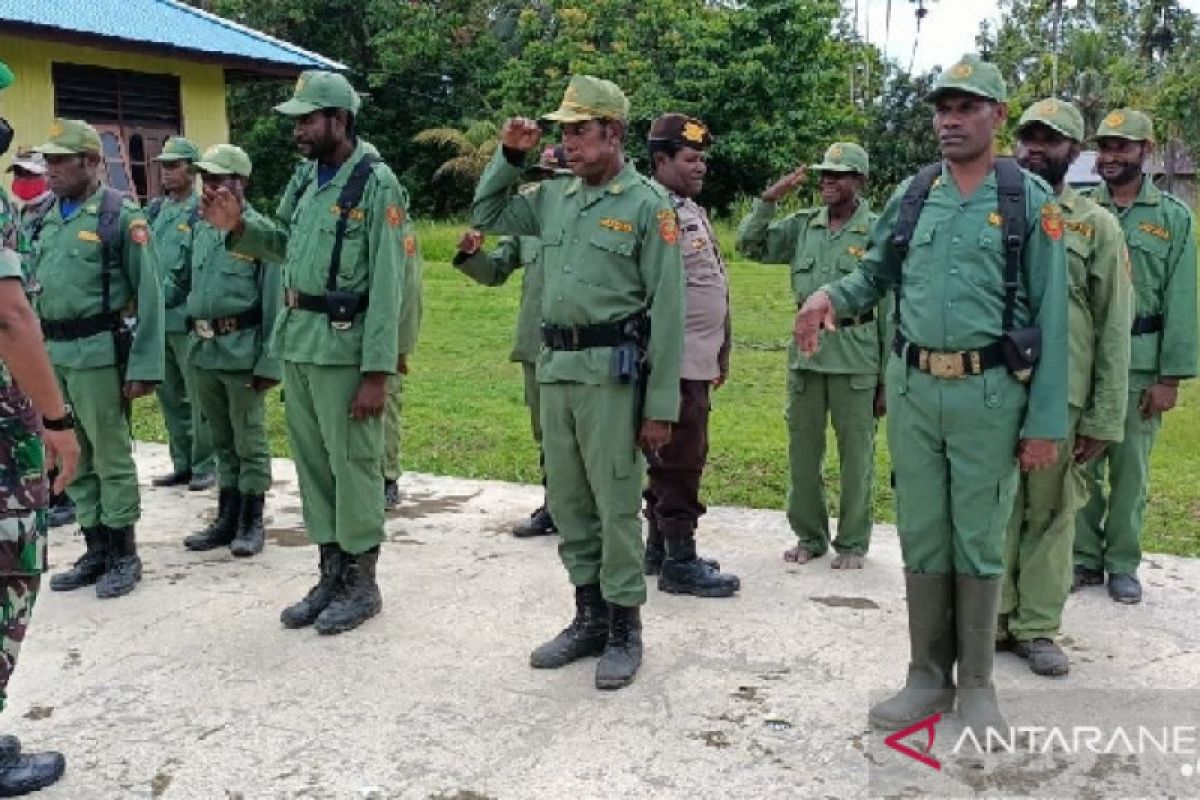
x: 139, y: 70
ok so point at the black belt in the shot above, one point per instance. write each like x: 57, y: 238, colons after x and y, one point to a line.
x: 953, y: 363
x: 316, y: 302
x: 67, y: 330
x: 208, y: 328
x: 1150, y: 323
x: 584, y: 337
x: 850, y: 322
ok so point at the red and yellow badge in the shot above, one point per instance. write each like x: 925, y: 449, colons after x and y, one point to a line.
x: 410, y: 245
x: 668, y: 227
x: 1052, y: 220
x: 138, y: 232
x: 395, y: 216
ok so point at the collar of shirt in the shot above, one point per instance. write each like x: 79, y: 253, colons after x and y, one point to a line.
x: 342, y: 172
x: 91, y: 204
x: 857, y: 223
x: 617, y: 185
x: 1148, y: 194
x: 1069, y: 198
x: 947, y: 183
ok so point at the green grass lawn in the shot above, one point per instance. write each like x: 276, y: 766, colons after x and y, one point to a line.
x: 464, y: 413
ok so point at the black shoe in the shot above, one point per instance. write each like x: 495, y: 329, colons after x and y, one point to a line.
x: 1124, y: 587
x: 623, y: 652
x: 222, y: 529
x: 1045, y: 657
x: 22, y: 773
x: 249, y: 539
x: 655, y: 555
x: 585, y: 636
x: 177, y: 478
x: 60, y: 513
x: 305, y: 612
x: 358, y: 599
x: 1085, y: 576
x: 88, y: 567
x: 683, y: 572
x: 538, y: 524
x: 391, y: 495
x: 124, y: 565
x: 200, y: 483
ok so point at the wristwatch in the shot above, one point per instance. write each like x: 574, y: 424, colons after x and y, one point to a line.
x: 64, y: 423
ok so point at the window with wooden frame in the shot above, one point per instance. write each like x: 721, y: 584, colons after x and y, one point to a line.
x: 134, y: 112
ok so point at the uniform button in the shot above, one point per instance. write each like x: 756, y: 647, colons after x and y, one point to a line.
x: 957, y: 239
x: 566, y: 269
x: 962, y: 206
x: 575, y: 240
x: 953, y: 272
x: 949, y: 303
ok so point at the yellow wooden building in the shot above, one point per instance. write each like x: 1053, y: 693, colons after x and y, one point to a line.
x: 138, y: 70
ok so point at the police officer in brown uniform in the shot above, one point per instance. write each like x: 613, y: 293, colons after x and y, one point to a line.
x: 677, y: 150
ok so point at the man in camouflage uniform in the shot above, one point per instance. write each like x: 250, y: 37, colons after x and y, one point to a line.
x: 612, y: 311
x: 494, y: 269
x: 171, y: 219
x: 29, y: 399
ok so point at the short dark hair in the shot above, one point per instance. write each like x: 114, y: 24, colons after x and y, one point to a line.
x: 350, y: 122
x: 668, y: 147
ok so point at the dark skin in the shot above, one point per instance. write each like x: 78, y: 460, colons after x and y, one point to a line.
x: 595, y: 152
x: 1047, y: 153
x: 77, y: 178
x: 176, y: 178
x: 1120, y: 165
x: 966, y: 127
x: 236, y: 185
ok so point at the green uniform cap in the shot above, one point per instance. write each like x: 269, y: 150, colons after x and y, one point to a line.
x: 225, y: 159
x: 971, y: 75
x: 316, y: 89
x: 844, y: 157
x: 6, y: 76
x: 590, y: 98
x: 1127, y: 123
x: 178, y: 148
x: 1057, y: 114
x: 69, y: 137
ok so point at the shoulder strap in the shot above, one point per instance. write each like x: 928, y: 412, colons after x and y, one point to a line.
x: 911, y: 205
x: 194, y: 216
x: 350, y: 197
x: 154, y: 209
x: 109, y: 231
x: 1010, y: 189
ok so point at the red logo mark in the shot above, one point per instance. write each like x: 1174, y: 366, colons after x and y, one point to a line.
x: 929, y: 724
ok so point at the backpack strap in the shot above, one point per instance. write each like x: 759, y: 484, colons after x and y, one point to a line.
x: 911, y: 205
x: 154, y: 209
x: 348, y: 199
x: 194, y: 216
x: 109, y: 231
x: 1010, y: 188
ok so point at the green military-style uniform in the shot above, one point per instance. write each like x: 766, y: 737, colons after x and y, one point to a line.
x: 1038, y: 561
x: 1160, y: 232
x: 171, y: 223
x: 411, y: 312
x: 955, y: 412
x: 840, y: 379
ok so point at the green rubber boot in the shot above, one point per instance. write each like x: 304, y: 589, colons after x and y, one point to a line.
x: 976, y: 602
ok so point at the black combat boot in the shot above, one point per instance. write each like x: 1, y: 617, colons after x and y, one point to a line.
x: 623, y: 653
x: 222, y: 529
x: 180, y: 477
x: 124, y: 565
x: 249, y: 540
x: 357, y: 599
x: 539, y: 523
x: 61, y: 511
x: 684, y: 573
x: 304, y: 613
x: 88, y: 567
x: 22, y: 773
x: 391, y: 494
x: 585, y: 636
x: 656, y: 549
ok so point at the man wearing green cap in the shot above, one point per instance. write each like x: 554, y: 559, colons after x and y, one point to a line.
x: 339, y: 234
x: 171, y: 218
x: 977, y: 387
x: 231, y: 303
x: 844, y: 379
x: 1037, y: 568
x: 1160, y: 232
x: 612, y: 334
x: 96, y: 264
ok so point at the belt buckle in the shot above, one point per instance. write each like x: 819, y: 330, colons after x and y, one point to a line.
x: 204, y: 329
x: 291, y: 298
x: 945, y: 365
x: 341, y: 326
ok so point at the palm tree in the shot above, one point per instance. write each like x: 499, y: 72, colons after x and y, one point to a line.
x: 473, y: 147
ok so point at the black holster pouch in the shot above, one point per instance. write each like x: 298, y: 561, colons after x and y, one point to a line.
x: 627, y: 362
x: 1022, y: 350
x: 343, y: 307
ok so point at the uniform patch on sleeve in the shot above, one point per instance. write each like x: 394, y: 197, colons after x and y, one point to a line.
x: 138, y: 232
x: 1155, y: 230
x: 395, y: 216
x: 410, y: 245
x: 668, y: 226
x: 1052, y: 220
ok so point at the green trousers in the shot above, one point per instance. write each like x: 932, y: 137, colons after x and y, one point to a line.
x: 533, y: 399
x: 105, y: 489
x: 391, y: 428
x: 814, y: 398
x: 339, y: 460
x: 953, y: 445
x: 594, y: 486
x: 236, y: 417
x: 1108, y: 531
x: 187, y: 431
x: 1037, y: 557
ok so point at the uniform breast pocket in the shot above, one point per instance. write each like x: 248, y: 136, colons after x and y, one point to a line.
x: 1078, y: 251
x: 609, y: 260
x: 354, y: 244
x: 988, y: 271
x: 918, y: 266
x: 804, y: 275
x: 1147, y: 249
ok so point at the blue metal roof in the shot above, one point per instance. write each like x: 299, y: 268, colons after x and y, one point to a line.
x: 166, y: 23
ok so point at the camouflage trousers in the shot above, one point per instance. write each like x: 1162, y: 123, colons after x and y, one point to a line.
x: 16, y: 609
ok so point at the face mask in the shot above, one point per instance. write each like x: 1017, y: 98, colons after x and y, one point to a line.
x: 6, y: 136
x: 27, y: 189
